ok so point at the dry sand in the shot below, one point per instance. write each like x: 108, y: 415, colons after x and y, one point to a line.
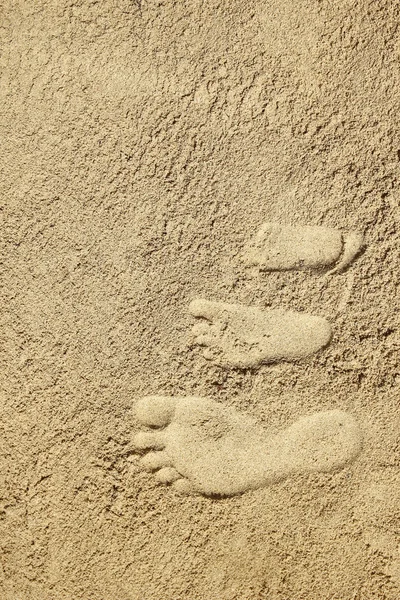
x: 143, y: 146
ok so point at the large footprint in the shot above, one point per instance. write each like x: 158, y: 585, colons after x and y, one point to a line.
x: 279, y: 247
x: 243, y: 336
x: 377, y: 510
x: 202, y: 446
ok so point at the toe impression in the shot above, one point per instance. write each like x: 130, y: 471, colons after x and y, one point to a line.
x: 155, y: 460
x: 167, y: 475
x: 147, y: 439
x: 155, y: 411
x: 184, y: 487
x: 205, y: 309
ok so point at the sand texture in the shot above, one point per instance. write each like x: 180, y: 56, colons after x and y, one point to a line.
x: 200, y: 274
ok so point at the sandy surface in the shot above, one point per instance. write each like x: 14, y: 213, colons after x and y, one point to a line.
x: 143, y: 144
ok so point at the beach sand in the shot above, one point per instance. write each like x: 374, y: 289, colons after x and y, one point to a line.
x: 144, y: 146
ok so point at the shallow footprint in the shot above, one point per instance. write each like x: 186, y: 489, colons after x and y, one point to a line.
x: 279, y: 247
x: 202, y: 446
x: 243, y: 336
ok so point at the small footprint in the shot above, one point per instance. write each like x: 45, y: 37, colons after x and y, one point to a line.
x: 282, y: 247
x: 201, y: 446
x: 243, y: 336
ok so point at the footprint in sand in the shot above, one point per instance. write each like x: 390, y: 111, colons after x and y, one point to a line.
x: 202, y: 446
x: 281, y: 247
x: 243, y: 336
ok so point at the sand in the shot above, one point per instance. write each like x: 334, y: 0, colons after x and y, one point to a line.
x: 144, y: 147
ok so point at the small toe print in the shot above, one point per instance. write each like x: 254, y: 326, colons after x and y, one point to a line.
x: 205, y: 309
x: 145, y: 440
x: 167, y: 475
x: 155, y: 411
x: 155, y: 460
x: 184, y: 486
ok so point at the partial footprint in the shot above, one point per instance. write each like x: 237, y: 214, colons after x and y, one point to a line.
x: 243, y: 336
x: 281, y: 247
x: 205, y: 447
